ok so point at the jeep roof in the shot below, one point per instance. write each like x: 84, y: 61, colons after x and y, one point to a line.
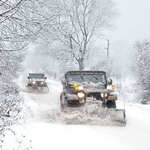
x: 87, y: 76
x: 36, y: 75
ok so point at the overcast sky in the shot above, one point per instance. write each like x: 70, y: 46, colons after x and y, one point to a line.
x: 133, y: 24
x: 134, y: 21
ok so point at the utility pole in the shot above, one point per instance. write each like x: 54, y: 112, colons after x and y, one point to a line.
x: 107, y: 48
x: 108, y: 44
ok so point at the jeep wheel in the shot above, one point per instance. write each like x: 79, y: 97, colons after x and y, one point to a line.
x: 61, y: 105
x: 111, y: 104
x: 66, y: 103
x: 46, y: 89
x: 28, y: 89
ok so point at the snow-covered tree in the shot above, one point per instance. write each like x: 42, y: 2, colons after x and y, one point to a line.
x: 20, y: 21
x: 141, y: 68
x: 76, y: 25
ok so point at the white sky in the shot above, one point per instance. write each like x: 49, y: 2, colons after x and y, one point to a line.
x: 133, y: 24
x: 134, y: 21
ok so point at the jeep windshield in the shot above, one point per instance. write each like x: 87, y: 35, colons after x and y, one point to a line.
x: 39, y: 76
x: 95, y: 78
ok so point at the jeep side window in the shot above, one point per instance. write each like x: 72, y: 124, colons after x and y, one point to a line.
x: 69, y: 78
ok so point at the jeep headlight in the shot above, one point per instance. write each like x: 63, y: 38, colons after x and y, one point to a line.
x: 42, y: 82
x: 81, y: 95
x: 33, y: 82
x: 111, y: 87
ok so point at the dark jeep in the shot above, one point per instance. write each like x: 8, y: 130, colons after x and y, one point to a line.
x: 37, y: 82
x: 78, y: 85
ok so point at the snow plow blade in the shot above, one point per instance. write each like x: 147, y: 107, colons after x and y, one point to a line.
x: 81, y: 115
x: 114, y: 115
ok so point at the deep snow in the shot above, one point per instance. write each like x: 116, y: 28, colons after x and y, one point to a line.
x: 36, y: 131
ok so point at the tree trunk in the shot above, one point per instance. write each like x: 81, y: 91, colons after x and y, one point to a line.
x: 80, y: 62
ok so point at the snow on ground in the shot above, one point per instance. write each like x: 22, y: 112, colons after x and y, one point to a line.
x: 138, y: 116
x: 15, y: 137
x: 36, y: 132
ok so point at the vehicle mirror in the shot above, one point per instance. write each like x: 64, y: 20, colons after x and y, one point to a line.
x: 29, y: 78
x: 63, y: 81
x: 45, y: 77
x: 110, y: 82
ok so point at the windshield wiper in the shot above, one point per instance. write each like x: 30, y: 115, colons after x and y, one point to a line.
x: 82, y: 78
x: 95, y: 77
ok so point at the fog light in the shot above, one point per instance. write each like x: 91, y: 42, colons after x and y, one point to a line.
x: 76, y: 86
x: 103, y: 95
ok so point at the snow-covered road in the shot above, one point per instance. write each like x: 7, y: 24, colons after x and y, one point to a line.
x: 48, y: 136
